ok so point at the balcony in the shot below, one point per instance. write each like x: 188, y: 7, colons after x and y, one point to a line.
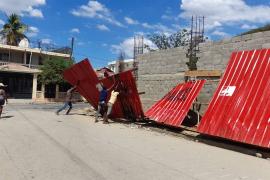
x: 18, y: 67
x: 31, y: 66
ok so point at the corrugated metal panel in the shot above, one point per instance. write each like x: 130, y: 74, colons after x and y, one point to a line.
x: 174, y: 106
x: 240, y: 108
x: 84, y: 72
x: 128, y: 104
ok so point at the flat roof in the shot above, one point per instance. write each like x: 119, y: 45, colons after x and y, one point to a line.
x: 33, y: 50
x: 125, y: 60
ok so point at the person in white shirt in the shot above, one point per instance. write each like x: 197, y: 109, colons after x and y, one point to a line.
x: 110, y: 104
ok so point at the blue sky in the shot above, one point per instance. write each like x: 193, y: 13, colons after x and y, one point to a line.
x: 102, y: 28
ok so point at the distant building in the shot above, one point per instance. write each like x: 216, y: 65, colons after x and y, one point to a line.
x: 19, y: 70
x: 121, y: 65
x: 104, y: 72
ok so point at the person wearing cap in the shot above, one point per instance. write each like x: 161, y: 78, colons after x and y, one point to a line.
x: 3, y: 97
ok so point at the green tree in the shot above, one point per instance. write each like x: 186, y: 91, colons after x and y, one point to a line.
x: 260, y: 29
x: 14, y: 30
x: 52, y: 70
x: 163, y: 41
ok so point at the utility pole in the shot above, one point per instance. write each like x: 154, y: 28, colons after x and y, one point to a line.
x: 72, y: 48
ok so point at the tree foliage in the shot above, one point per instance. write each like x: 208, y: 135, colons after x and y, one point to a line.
x: 52, y: 70
x: 13, y: 31
x: 260, y: 29
x: 192, y: 63
x: 163, y: 41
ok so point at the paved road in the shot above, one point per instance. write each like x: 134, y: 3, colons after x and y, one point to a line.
x: 37, y: 144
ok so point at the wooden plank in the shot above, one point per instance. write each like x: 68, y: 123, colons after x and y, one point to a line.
x: 204, y: 73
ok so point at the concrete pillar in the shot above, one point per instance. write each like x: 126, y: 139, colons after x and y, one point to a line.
x: 43, y: 91
x: 56, y: 92
x: 24, y: 57
x: 34, y: 90
x: 117, y: 66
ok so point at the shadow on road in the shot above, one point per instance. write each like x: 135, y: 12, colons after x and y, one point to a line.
x: 6, y: 117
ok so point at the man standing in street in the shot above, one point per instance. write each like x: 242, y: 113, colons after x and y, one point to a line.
x: 68, y: 101
x: 3, y: 97
x: 103, y: 93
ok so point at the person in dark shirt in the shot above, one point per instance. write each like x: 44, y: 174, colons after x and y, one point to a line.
x: 3, y: 97
x: 68, y: 100
x: 102, y: 98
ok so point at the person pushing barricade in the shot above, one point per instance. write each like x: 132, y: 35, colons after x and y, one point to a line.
x: 103, y: 94
x: 110, y: 103
x: 68, y: 101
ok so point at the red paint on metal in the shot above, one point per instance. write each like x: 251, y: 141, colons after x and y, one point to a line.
x: 174, y: 106
x: 240, y: 107
x: 128, y: 104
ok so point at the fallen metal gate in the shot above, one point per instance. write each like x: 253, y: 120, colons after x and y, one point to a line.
x: 240, y: 107
x: 128, y: 104
x: 174, y: 106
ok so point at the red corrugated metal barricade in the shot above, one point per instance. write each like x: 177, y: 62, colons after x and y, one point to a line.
x: 240, y: 107
x: 128, y: 104
x: 84, y: 72
x: 174, y: 106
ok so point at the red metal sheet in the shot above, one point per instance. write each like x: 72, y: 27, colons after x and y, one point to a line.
x: 128, y: 104
x: 174, y: 106
x: 240, y: 107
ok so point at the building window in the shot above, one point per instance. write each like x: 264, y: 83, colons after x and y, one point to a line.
x: 40, y: 60
x: 4, y: 57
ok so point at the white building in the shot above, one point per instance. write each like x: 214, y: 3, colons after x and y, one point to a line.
x: 121, y: 65
x: 19, y: 70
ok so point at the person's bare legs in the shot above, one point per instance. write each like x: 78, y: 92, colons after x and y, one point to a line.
x: 97, y: 113
x: 106, y: 115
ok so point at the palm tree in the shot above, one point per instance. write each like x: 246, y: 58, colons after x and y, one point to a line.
x: 13, y: 30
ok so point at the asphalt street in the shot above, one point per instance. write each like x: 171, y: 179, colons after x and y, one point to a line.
x: 35, y: 143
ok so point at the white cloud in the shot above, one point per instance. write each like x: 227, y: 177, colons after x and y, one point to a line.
x: 103, y: 27
x: 167, y: 17
x: 80, y: 43
x: 2, y: 22
x: 35, y: 13
x: 131, y: 21
x: 225, y: 12
x: 168, y: 14
x: 95, y: 9
x: 32, y: 31
x: 220, y: 33
x: 159, y: 28
x: 25, y: 7
x: 75, y: 30
x: 127, y: 46
x: 247, y: 26
x: 46, y: 41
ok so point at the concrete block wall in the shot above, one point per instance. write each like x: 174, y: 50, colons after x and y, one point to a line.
x: 215, y: 55
x: 160, y: 71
